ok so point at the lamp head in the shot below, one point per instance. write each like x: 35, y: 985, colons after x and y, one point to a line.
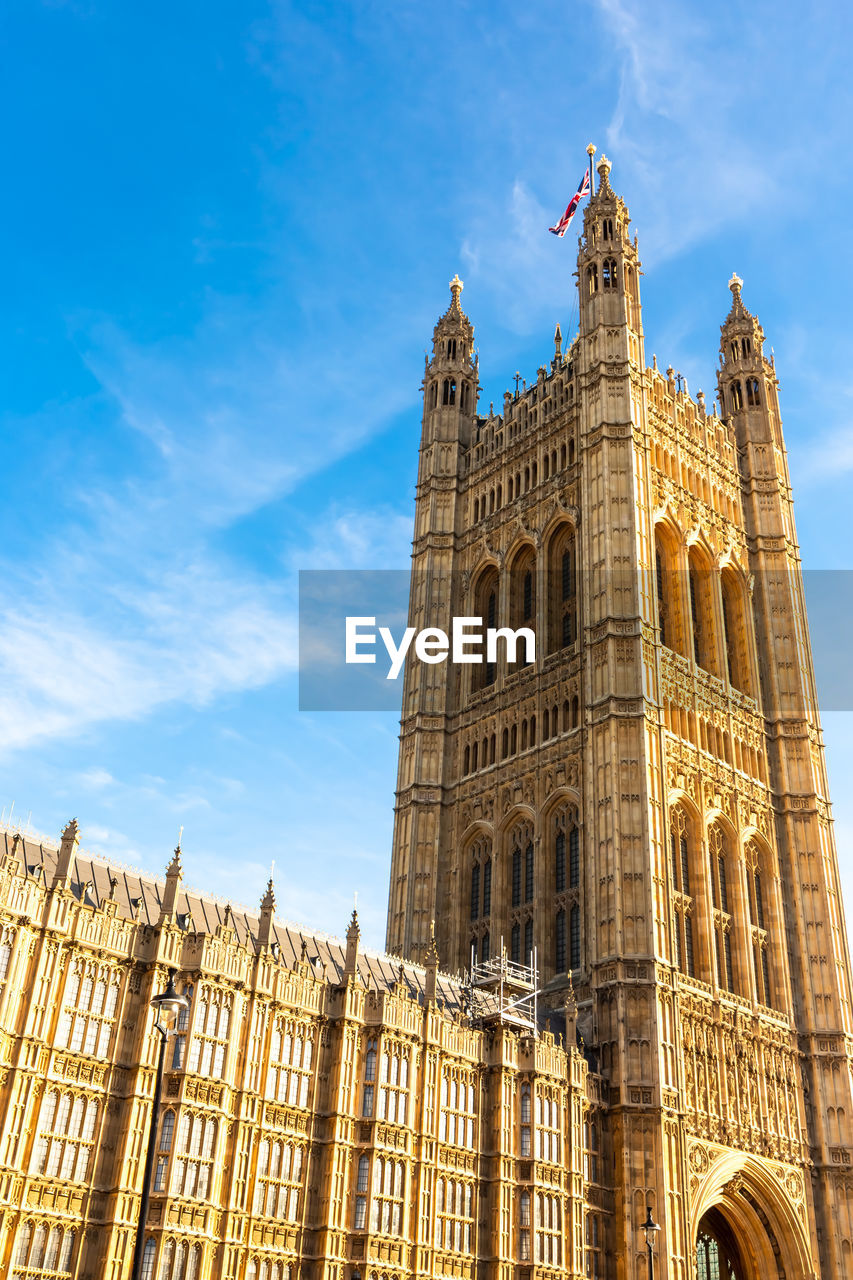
x: 170, y: 1003
x: 650, y: 1227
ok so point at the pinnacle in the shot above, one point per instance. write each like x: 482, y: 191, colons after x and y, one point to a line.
x: 456, y: 286
x: 268, y: 900
x: 175, y: 868
x: 738, y: 311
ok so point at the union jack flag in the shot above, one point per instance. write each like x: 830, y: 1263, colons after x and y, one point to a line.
x: 583, y: 190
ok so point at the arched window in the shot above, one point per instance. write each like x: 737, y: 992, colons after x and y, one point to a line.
x: 562, y: 590
x: 737, y: 634
x: 528, y: 940
x: 475, y: 891
x: 701, y: 612
x: 737, y: 396
x: 752, y: 393
x: 719, y: 866
x: 592, y: 279
x: 760, y: 922
x: 485, y: 607
x: 449, y: 392
x: 528, y: 872
x: 560, y: 862
x: 560, y: 942
x: 608, y: 274
x: 149, y: 1253
x: 668, y: 587
x: 575, y: 936
x: 515, y: 943
x: 680, y: 872
x: 516, y: 877
x: 433, y: 395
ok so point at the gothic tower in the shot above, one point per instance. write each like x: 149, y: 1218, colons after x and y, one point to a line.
x: 629, y: 805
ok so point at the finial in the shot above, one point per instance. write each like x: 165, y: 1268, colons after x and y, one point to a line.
x: 558, y: 339
x: 591, y: 149
x: 604, y: 168
x: 303, y: 951
x: 71, y: 829
x: 735, y: 284
x: 456, y: 287
x: 228, y: 914
x: 113, y: 886
x: 268, y: 900
x: 174, y: 868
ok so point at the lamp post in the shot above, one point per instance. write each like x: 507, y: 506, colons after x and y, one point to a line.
x: 650, y: 1228
x: 166, y: 1006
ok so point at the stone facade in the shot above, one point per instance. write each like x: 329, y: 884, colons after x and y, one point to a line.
x: 327, y: 1112
x: 645, y: 805
x: 643, y: 808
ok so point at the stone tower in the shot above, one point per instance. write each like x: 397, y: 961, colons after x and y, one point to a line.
x: 630, y: 804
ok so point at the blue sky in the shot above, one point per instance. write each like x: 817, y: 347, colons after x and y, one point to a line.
x: 228, y: 231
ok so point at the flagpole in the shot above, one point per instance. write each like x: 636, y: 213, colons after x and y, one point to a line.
x: 591, y: 152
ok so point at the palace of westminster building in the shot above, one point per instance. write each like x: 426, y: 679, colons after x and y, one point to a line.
x: 642, y: 810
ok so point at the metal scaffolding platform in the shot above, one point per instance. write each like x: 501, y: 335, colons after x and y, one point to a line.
x: 501, y: 990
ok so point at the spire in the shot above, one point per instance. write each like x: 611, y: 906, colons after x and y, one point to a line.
x: 456, y: 286
x: 65, y: 863
x: 570, y: 1009
x: 174, y: 875
x: 558, y: 343
x: 267, y: 910
x: 738, y: 311
x: 604, y: 187
x: 431, y: 961
x: 353, y: 936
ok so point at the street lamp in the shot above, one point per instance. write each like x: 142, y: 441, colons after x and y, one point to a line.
x: 650, y: 1229
x: 167, y: 1006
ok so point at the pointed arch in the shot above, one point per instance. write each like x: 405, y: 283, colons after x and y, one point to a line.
x: 562, y: 580
x: 485, y: 597
x: 668, y: 587
x: 700, y: 582
x: 737, y: 629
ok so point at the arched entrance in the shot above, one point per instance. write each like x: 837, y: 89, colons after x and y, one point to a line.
x: 717, y: 1253
x: 748, y: 1221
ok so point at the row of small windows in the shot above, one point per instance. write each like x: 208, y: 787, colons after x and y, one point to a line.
x: 66, y: 1136
x: 179, y: 1261
x: 566, y: 878
x: 739, y: 948
x: 43, y: 1251
x: 393, y: 1083
x: 480, y: 755
x: 88, y: 1009
x: 520, y: 588
x: 735, y: 395
x: 450, y: 390
x: 694, y: 482
x: 523, y: 481
x: 712, y: 625
x: 609, y: 276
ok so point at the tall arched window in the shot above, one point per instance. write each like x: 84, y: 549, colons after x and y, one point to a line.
x: 759, y: 919
x: 592, y: 279
x: 575, y: 936
x: 448, y: 396
x: 737, y: 634
x: 562, y: 590
x: 682, y: 893
x: 701, y: 612
x: 486, y: 607
x: 753, y: 396
x: 668, y: 589
x: 720, y: 874
x: 609, y: 274
x: 522, y: 580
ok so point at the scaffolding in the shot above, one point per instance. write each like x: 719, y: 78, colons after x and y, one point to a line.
x: 502, y: 990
